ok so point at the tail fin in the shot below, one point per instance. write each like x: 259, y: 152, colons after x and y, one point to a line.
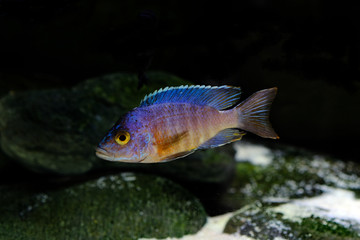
x: 254, y: 113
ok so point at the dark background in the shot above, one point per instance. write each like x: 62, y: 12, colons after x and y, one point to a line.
x: 309, y: 49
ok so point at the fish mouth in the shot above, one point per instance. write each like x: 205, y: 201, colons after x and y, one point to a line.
x: 102, y: 153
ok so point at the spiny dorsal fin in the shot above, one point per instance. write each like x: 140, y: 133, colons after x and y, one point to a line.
x: 222, y: 97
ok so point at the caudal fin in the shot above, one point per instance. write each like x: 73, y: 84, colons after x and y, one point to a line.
x: 254, y: 113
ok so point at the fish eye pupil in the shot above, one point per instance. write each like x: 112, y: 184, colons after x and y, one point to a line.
x: 122, y: 138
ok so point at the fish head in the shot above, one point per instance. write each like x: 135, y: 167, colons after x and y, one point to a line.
x: 126, y: 141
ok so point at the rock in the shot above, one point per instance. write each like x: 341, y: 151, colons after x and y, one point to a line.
x: 290, y: 174
x: 55, y: 131
x: 264, y: 222
x: 44, y: 129
x: 125, y: 206
x: 290, y: 193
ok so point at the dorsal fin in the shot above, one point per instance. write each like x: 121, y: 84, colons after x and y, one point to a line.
x: 222, y: 97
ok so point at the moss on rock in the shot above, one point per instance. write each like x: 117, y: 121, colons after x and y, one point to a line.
x: 317, y: 228
x: 126, y: 206
x: 262, y: 223
x: 292, y: 174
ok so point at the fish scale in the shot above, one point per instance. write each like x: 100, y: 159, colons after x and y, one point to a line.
x: 175, y: 121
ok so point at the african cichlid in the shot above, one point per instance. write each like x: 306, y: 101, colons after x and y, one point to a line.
x: 175, y: 121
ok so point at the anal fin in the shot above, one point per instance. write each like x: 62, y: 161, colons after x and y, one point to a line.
x: 176, y: 156
x: 223, y: 137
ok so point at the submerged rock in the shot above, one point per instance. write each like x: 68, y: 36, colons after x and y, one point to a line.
x: 267, y: 223
x: 55, y: 131
x: 288, y: 174
x: 292, y: 194
x: 125, y: 206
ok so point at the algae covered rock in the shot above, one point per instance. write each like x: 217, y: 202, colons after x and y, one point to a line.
x: 43, y: 130
x: 267, y: 223
x: 125, y: 206
x: 289, y: 193
x: 290, y: 174
x: 55, y: 131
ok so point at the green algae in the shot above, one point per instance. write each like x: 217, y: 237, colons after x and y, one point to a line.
x: 318, y: 228
x: 125, y: 206
x: 260, y: 222
x: 292, y: 174
x: 254, y: 221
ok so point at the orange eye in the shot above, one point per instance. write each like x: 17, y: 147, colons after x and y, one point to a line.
x: 122, y: 138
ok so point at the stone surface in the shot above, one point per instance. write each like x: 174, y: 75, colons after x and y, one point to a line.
x: 125, y: 206
x: 265, y: 223
x: 295, y: 195
x: 291, y: 173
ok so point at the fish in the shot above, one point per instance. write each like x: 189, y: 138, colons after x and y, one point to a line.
x: 173, y: 122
